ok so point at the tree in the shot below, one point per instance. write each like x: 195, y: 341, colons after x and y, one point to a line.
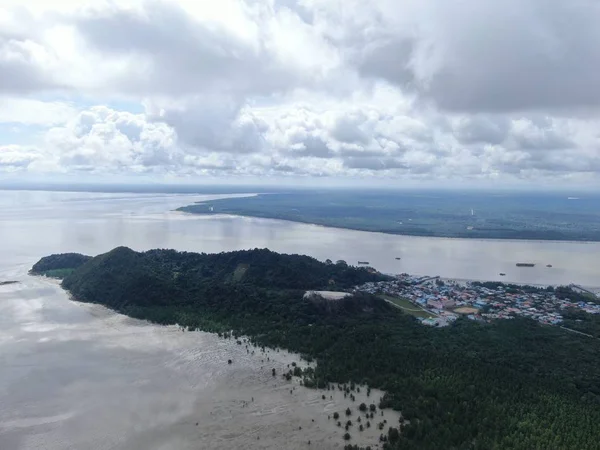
x: 347, y: 436
x: 336, y: 415
x: 363, y: 407
x: 372, y: 407
x: 348, y: 412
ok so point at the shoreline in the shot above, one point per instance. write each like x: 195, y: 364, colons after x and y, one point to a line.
x: 506, y: 239
x: 180, y: 391
x: 540, y: 285
x: 321, y: 429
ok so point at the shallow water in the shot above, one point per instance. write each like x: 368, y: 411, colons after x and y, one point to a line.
x: 80, y: 376
x: 76, y: 376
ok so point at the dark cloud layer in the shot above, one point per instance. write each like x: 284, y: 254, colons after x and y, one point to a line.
x: 498, y: 56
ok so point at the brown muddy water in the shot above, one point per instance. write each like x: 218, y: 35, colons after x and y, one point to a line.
x: 81, y: 376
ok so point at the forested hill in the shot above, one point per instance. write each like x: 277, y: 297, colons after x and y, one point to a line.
x: 512, y: 384
x: 124, y: 279
x: 258, y: 267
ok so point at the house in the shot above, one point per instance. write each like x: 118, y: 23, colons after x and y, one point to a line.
x: 436, y: 304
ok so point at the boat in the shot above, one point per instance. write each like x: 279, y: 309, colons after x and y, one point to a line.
x: 548, y: 265
x: 502, y: 274
x: 363, y: 262
x: 398, y: 258
x: 525, y: 264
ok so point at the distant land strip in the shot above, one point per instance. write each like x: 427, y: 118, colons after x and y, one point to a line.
x: 447, y: 216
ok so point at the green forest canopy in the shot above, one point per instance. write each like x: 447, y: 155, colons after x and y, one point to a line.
x: 511, y: 384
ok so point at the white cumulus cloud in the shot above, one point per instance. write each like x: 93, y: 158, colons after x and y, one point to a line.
x: 419, y: 89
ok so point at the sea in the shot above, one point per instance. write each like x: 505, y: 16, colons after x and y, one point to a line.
x: 78, y: 376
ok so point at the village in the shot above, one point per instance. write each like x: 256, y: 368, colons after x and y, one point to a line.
x: 441, y: 302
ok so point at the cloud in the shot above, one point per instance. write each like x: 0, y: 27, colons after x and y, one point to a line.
x: 347, y: 128
x: 236, y: 48
x: 311, y: 88
x: 34, y: 112
x: 312, y: 146
x: 514, y: 55
x: 481, y: 129
x: 14, y: 157
x: 21, y: 66
x: 211, y: 122
x: 373, y: 163
x: 541, y: 134
x: 101, y: 139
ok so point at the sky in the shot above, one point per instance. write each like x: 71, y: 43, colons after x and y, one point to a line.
x: 382, y: 92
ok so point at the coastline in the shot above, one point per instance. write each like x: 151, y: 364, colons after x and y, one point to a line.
x: 455, y: 258
x: 161, y: 386
x: 406, y: 235
x: 301, y: 412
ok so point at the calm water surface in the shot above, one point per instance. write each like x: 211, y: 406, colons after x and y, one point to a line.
x: 76, y: 376
x: 34, y: 224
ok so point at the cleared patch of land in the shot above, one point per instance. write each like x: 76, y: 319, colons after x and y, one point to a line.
x: 328, y: 295
x: 240, y: 271
x: 408, y: 307
x: 466, y: 310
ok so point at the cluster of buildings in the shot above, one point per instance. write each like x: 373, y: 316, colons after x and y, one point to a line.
x: 447, y: 300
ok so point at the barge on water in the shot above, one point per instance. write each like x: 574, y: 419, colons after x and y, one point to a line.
x: 525, y: 264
